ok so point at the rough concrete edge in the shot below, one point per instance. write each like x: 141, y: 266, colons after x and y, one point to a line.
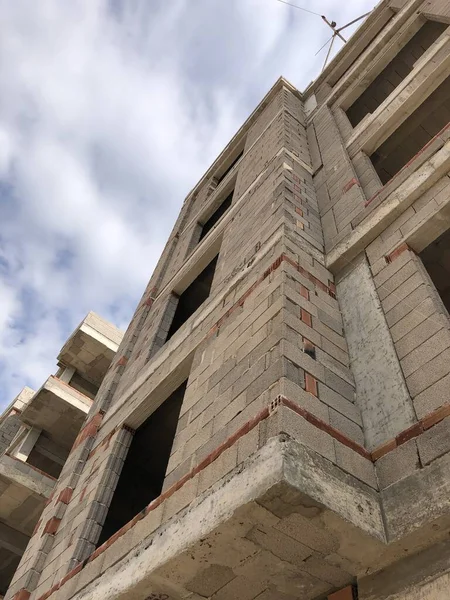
x: 340, y: 492
x: 12, y: 473
x: 268, y: 468
x: 175, y: 536
x: 433, y: 481
x: 418, y: 569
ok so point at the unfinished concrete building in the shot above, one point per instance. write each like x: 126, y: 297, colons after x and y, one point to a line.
x: 276, y: 424
x: 37, y: 432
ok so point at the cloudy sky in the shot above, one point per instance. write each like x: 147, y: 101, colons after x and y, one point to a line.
x: 110, y: 111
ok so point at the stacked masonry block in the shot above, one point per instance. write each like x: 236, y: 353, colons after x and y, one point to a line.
x: 420, y: 328
x: 271, y: 329
x: 339, y: 193
x: 51, y: 543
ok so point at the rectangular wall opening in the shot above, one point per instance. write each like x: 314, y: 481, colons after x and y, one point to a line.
x: 193, y: 297
x: 229, y: 164
x: 413, y: 134
x: 217, y: 214
x: 9, y: 562
x: 436, y: 259
x: 395, y: 72
x: 84, y: 386
x: 143, y: 472
x: 48, y: 456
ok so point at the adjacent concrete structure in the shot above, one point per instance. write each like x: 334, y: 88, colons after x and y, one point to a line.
x: 276, y: 424
x: 37, y: 432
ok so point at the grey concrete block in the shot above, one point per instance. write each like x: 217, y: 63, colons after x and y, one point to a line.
x: 339, y: 403
x: 347, y: 426
x: 339, y: 385
x: 90, y: 531
x: 433, y: 397
x: 397, y: 279
x: 435, y: 442
x: 429, y: 373
x: 302, y: 360
x: 420, y: 334
x: 306, y: 433
x: 294, y: 392
x: 411, y: 321
x: 355, y: 464
x: 98, y: 512
x: 397, y: 464
x: 402, y: 292
x: 83, y: 549
x: 248, y: 444
x: 434, y: 346
x: 408, y: 304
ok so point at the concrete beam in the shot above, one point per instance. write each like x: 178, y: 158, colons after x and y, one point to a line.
x: 243, y: 513
x: 26, y: 476
x: 394, y: 205
x: 54, y: 393
x: 282, y: 512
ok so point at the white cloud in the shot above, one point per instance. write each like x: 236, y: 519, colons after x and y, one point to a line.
x: 109, y: 113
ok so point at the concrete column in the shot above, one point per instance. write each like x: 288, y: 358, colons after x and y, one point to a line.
x: 26, y: 445
x: 67, y: 374
x: 381, y: 392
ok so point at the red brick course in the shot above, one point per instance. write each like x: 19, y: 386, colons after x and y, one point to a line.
x: 348, y: 186
x: 65, y: 495
x: 396, y: 253
x: 22, y: 595
x: 89, y: 430
x: 311, y: 384
x: 51, y: 526
x: 344, y: 594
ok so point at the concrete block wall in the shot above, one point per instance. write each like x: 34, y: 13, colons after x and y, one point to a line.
x: 145, y: 344
x: 271, y: 331
x: 60, y: 551
x: 352, y: 362
x: 419, y: 327
x: 111, y: 380
x: 345, y: 182
x: 252, y: 218
x: 415, y: 313
x: 8, y: 430
x: 10, y: 422
x: 339, y: 191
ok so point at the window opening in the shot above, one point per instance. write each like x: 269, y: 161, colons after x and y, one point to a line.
x: 193, y: 297
x: 217, y: 214
x: 230, y: 167
x: 413, y: 134
x: 395, y: 72
x: 436, y: 259
x: 142, y: 476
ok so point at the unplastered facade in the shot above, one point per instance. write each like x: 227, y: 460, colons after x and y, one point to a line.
x: 276, y: 423
x: 37, y: 431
